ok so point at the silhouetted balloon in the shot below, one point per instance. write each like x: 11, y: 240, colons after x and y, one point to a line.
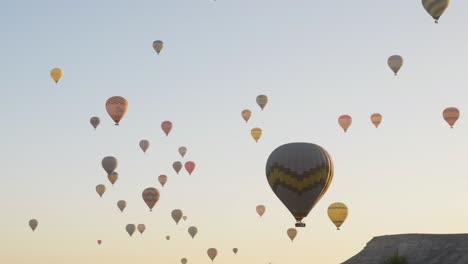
x: 451, y: 115
x: 177, y: 166
x: 109, y: 164
x: 395, y: 62
x: 299, y: 174
x: 130, y: 229
x: 292, y: 233
x: 246, y: 114
x: 95, y: 121
x: 168, y: 237
x: 151, y: 197
x: 376, y: 119
x: 100, y: 189
x: 113, y: 177
x: 33, y: 223
x: 345, y: 122
x: 177, y: 215
x: 337, y: 212
x: 116, y: 107
x: 189, y: 166
x: 184, y: 217
x: 166, y: 126
x: 260, y: 210
x: 235, y: 250
x: 212, y: 253
x: 436, y: 8
x: 144, y: 145
x: 121, y: 205
x: 56, y: 74
x: 193, y: 231
x: 158, y: 46
x: 162, y: 180
x: 262, y: 101
x: 183, y: 261
x: 99, y: 242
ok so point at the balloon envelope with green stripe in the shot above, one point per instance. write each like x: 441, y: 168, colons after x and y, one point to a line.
x: 436, y: 8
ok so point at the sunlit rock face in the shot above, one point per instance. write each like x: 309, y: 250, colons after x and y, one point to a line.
x: 418, y: 248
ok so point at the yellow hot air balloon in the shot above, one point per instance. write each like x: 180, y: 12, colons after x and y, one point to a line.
x: 299, y: 174
x: 451, y: 115
x: 100, y: 189
x: 116, y: 107
x: 121, y: 205
x: 56, y: 74
x: 151, y: 197
x: 193, y: 230
x: 292, y: 233
x: 256, y: 133
x: 246, y: 114
x: 376, y: 118
x: 345, y: 122
x: 338, y: 212
x: 177, y: 215
x: 33, y: 223
x: 395, y: 62
x: 262, y: 101
x: 436, y: 8
x: 212, y: 253
x: 260, y: 210
x: 113, y: 177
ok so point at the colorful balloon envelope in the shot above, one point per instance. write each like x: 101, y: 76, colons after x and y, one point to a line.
x: 56, y: 74
x: 436, y: 8
x: 256, y: 133
x: 395, y: 62
x: 95, y: 121
x: 190, y: 167
x: 33, y: 223
x: 376, y: 119
x: 260, y: 210
x: 144, y: 145
x: 299, y: 174
x: 212, y: 253
x: 158, y: 46
x: 345, y: 122
x: 100, y: 189
x: 116, y: 107
x: 451, y: 115
x: 246, y: 114
x: 262, y: 101
x: 151, y: 197
x: 292, y: 233
x: 162, y: 180
x: 337, y: 212
x: 166, y: 126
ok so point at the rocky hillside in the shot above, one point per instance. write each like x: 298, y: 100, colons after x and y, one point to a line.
x: 418, y: 248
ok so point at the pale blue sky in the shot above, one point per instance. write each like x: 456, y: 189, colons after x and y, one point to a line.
x: 315, y: 60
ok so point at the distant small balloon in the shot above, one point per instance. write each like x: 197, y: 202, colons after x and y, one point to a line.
x: 212, y: 253
x: 337, y: 212
x: 162, y: 180
x: 95, y: 121
x: 451, y: 115
x: 256, y: 133
x: 345, y: 122
x: 166, y: 126
x: 177, y: 166
x: 184, y: 217
x: 100, y: 189
x: 141, y: 228
x: 235, y: 250
x: 176, y: 215
x: 260, y: 210
x: 56, y: 74
x: 182, y: 151
x: 158, y: 46
x: 144, y: 145
x: 395, y: 62
x: 292, y: 233
x: 99, y: 242
x: 116, y: 107
x: 33, y: 223
x: 193, y: 231
x: 190, y: 166
x: 376, y: 118
x: 121, y: 205
x: 151, y: 197
x: 168, y: 237
x: 246, y: 114
x: 183, y: 261
x: 113, y: 177
x: 109, y: 164
x: 130, y: 229
x: 262, y: 101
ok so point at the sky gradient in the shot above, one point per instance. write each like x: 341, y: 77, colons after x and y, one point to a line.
x: 316, y: 60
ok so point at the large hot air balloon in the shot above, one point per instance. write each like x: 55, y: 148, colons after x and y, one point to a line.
x: 151, y: 197
x: 162, y: 180
x: 182, y: 151
x: 256, y: 133
x: 113, y: 177
x: 183, y: 261
x: 177, y: 215
x: 345, y: 122
x: 262, y: 100
x: 246, y: 114
x: 121, y: 204
x: 166, y: 126
x: 141, y: 228
x: 144, y: 145
x: 212, y: 253
x: 193, y: 230
x: 451, y: 115
x: 337, y: 212
x: 189, y: 166
x: 395, y: 62
x: 299, y: 174
x: 56, y: 74
x: 100, y: 189
x: 95, y: 121
x: 158, y: 46
x: 436, y: 8
x: 177, y: 166
x: 260, y: 210
x: 116, y: 107
x: 235, y: 250
x: 292, y: 233
x: 130, y: 229
x: 33, y: 223
x: 109, y: 164
x: 376, y: 118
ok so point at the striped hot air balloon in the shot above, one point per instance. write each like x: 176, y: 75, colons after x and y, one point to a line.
x: 299, y: 174
x: 451, y: 115
x: 345, y: 122
x: 435, y: 8
x: 337, y: 212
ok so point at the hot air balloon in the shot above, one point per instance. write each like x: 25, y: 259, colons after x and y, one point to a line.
x: 235, y: 250
x: 177, y: 165
x: 144, y: 145
x: 113, y: 177
x: 116, y: 107
x: 99, y: 242
x: 451, y: 115
x: 183, y: 261
x: 262, y: 100
x: 166, y: 126
x: 151, y: 197
x: 56, y: 74
x: 256, y: 133
x: 95, y: 121
x: 193, y: 231
x: 158, y: 46
x: 182, y: 151
x: 376, y: 118
x: 345, y: 122
x: 395, y: 62
x: 100, y: 189
x: 436, y: 8
x: 189, y: 166
x: 130, y: 229
x: 212, y: 253
x: 141, y: 228
x: 299, y: 174
x: 121, y: 205
x: 168, y: 237
x: 337, y: 212
x: 260, y: 210
x: 109, y: 164
x: 162, y: 180
x: 184, y: 217
x: 292, y: 233
x: 33, y: 223
x: 246, y: 114
x: 177, y: 215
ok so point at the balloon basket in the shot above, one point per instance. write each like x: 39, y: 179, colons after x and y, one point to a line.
x: 300, y: 224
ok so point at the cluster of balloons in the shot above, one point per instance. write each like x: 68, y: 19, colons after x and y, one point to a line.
x: 256, y: 132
